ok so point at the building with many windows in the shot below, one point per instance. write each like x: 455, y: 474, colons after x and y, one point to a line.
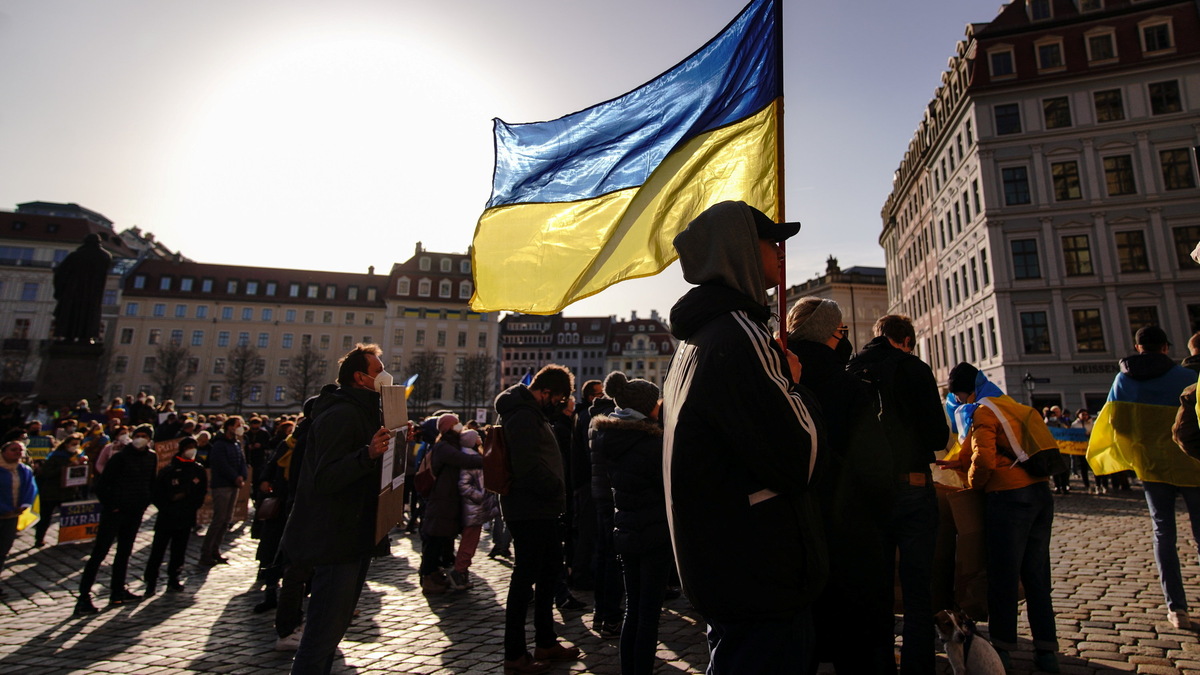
x: 641, y: 348
x: 861, y: 292
x: 1046, y: 206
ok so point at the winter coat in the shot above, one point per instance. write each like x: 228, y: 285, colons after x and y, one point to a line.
x: 227, y: 462
x: 912, y: 411
x: 601, y: 485
x: 443, y: 508
x: 337, y: 494
x: 179, y: 492
x: 632, y: 445
x: 478, y: 505
x: 127, y: 483
x: 538, y: 489
x: 739, y: 442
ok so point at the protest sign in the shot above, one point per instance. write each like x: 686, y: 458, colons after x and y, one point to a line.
x: 78, y: 520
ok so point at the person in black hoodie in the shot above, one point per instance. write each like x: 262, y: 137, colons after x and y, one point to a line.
x: 532, y: 507
x: 915, y: 423
x: 125, y: 490
x: 332, y: 524
x: 855, y: 497
x: 749, y: 482
x: 631, y: 438
x: 179, y: 492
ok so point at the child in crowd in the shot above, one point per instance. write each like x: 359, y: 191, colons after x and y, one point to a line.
x: 478, y: 507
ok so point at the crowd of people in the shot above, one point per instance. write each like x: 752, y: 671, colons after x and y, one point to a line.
x: 822, y: 491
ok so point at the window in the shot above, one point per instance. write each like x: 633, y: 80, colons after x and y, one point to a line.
x: 1165, y: 98
x: 214, y: 393
x: 1057, y: 112
x: 446, y: 265
x: 1091, y: 5
x: 164, y: 284
x: 1077, y: 255
x: 256, y: 392
x: 110, y: 296
x: 280, y: 393
x: 1016, y: 185
x: 227, y: 314
x: 1156, y: 36
x: 1008, y: 119
x: 231, y: 286
x: 180, y: 311
x: 149, y: 364
x: 464, y: 290
x: 293, y: 290
x: 331, y: 292
x: 369, y: 319
x: 1066, y: 181
x: 189, y: 393
x: 992, y: 336
x: 402, y: 286
x: 223, y: 338
x: 1050, y: 55
x: 1101, y: 47
x: 1131, y: 251
x: 1109, y: 105
x: 423, y: 288
x: 1089, y: 332
x: 352, y: 293
x: 398, y: 337
x: 264, y: 340
x: 131, y: 308
x: 1140, y: 317
x: 1001, y: 63
x: 441, y: 338
x: 247, y: 314
x: 290, y: 316
x: 1035, y: 331
x: 975, y: 196
x: 326, y: 317
x: 287, y: 340
x: 121, y: 364
x: 325, y: 342
x: 1025, y: 259
x: 197, y: 338
x: 177, y: 336
x: 347, y: 342
x: 444, y: 287
x: 420, y: 338
x: 1177, y: 169
x: 313, y: 291
x: 126, y: 336
x: 267, y: 314
x: 186, y: 283
x: 251, y: 288
x: 371, y: 291
x: 243, y: 339
x: 1185, y: 241
x: 139, y: 281
x: 155, y: 336
x: 29, y: 292
x: 310, y: 316
x: 160, y: 309
x: 206, y: 285
x: 464, y: 266
x: 462, y: 339
x: 1118, y: 175
x: 1039, y: 10
x: 283, y: 366
x: 271, y: 286
x: 306, y: 340
x: 423, y: 264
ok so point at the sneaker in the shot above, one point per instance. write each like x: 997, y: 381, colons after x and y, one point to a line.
x: 1046, y: 661
x: 1179, y: 619
x: 526, y: 665
x: 609, y: 630
x: 84, y: 606
x: 556, y: 653
x: 290, y: 643
x: 459, y: 581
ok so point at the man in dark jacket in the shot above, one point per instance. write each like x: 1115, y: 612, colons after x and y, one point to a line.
x: 125, y: 490
x: 915, y: 422
x: 332, y: 524
x: 583, y: 563
x: 229, y: 474
x: 531, y: 510
x: 747, y: 481
x: 178, y: 493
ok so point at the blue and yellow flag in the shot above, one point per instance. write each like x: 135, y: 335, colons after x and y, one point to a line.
x: 596, y: 197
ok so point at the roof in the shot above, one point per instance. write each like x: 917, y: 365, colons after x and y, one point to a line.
x: 257, y: 279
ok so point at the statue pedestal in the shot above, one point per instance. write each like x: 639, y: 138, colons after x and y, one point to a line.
x: 71, y: 371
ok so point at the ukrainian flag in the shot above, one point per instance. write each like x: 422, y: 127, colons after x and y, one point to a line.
x: 596, y: 197
x: 1133, y: 432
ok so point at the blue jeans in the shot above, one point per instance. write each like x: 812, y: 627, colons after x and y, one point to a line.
x: 645, y: 588
x: 783, y: 646
x: 335, y: 591
x: 1161, y: 499
x: 1018, y: 524
x: 914, y: 532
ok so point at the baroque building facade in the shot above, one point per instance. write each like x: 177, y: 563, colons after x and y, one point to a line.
x: 1046, y: 206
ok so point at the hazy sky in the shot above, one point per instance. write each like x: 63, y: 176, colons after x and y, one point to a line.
x: 335, y: 135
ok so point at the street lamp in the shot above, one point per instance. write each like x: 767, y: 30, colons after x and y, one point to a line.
x: 1030, y: 384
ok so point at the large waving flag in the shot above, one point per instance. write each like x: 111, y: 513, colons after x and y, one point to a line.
x: 596, y: 197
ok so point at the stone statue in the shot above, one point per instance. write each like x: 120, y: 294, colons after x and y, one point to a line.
x: 79, y: 289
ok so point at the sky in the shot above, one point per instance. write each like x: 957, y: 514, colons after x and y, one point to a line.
x: 318, y: 135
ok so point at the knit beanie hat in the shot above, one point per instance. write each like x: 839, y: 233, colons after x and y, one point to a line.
x: 962, y: 377
x: 447, y: 422
x: 639, y: 395
x: 820, y: 325
x: 469, y: 439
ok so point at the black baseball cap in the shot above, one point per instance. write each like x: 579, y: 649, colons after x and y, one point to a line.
x: 771, y: 230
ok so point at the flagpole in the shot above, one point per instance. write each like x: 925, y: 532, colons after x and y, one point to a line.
x: 779, y: 177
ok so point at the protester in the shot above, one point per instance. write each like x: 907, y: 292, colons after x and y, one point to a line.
x: 531, y: 509
x: 443, y: 510
x: 583, y: 563
x: 610, y: 584
x: 271, y: 514
x: 995, y: 432
x: 125, y: 490
x: 121, y: 437
x: 52, y: 484
x: 332, y: 524
x: 179, y: 492
x: 229, y: 474
x: 478, y: 507
x: 1133, y: 432
x: 915, y: 424
x: 748, y: 482
x: 631, y: 438
x: 1079, y: 465
x: 18, y: 489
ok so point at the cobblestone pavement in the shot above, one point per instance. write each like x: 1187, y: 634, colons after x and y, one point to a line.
x: 1111, y: 616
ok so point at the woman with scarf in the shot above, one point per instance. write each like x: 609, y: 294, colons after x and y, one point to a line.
x: 993, y: 432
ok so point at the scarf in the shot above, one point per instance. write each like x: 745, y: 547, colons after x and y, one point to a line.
x: 963, y: 414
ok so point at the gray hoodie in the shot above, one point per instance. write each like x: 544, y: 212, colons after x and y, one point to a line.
x: 721, y: 246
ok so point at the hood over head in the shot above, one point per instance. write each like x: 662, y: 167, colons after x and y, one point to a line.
x: 721, y: 246
x: 1147, y: 366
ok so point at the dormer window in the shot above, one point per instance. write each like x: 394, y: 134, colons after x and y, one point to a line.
x: 447, y: 265
x: 423, y: 264
x: 1039, y: 10
x: 403, y: 286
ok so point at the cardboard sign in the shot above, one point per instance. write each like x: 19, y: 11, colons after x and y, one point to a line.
x: 165, y: 451
x: 78, y: 521
x: 39, y: 447
x: 390, y: 511
x: 75, y: 475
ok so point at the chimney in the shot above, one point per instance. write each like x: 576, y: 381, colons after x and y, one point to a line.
x: 654, y: 314
x: 370, y: 270
x: 419, y: 248
x: 633, y: 315
x: 150, y: 237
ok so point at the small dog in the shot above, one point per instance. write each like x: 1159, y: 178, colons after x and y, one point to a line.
x: 969, y: 653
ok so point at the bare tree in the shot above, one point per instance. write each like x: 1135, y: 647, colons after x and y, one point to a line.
x: 241, y: 374
x: 474, y: 379
x: 429, y: 368
x: 170, y: 368
x: 306, y: 373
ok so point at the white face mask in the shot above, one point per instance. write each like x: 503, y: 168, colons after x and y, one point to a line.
x: 239, y: 432
x: 123, y: 438
x: 383, y: 379
x: 141, y: 442
x: 190, y: 453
